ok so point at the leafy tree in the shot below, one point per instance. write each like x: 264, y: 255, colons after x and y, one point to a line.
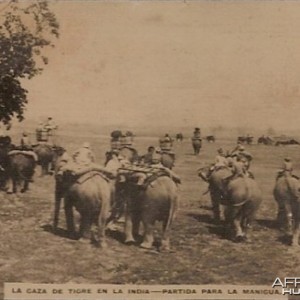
x: 26, y: 30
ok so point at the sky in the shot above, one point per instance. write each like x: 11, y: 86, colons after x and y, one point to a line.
x: 193, y: 63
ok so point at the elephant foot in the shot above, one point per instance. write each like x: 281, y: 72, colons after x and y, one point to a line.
x: 73, y: 235
x: 98, y: 244
x: 240, y: 238
x: 166, y: 250
x: 295, y: 243
x: 146, y: 245
x: 84, y: 241
x: 130, y: 242
x: 103, y: 245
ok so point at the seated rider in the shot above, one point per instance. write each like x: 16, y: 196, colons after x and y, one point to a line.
x: 154, y: 166
x: 114, y: 163
x: 167, y: 138
x: 197, y: 133
x: 84, y: 156
x: 147, y: 158
x: 244, y: 156
x: 287, y: 168
x: 220, y: 162
x: 236, y: 149
x: 238, y: 170
x: 25, y: 142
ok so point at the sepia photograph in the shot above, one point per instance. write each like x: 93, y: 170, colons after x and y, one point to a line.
x: 149, y: 149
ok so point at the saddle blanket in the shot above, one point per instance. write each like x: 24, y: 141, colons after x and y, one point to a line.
x: 25, y: 152
x: 90, y: 174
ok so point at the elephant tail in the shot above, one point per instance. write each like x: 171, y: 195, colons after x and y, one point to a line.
x: 173, y: 209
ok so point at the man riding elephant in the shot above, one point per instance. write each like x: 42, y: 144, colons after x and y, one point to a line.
x: 141, y: 173
x: 158, y: 201
x: 85, y: 186
x: 237, y: 192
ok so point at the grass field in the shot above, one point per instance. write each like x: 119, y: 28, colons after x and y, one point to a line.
x: 30, y: 252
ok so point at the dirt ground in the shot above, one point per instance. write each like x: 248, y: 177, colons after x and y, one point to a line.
x: 30, y: 252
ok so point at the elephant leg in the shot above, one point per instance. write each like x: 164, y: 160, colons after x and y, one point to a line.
x: 14, y: 185
x: 100, y: 222
x: 128, y: 227
x: 237, y: 223
x: 229, y: 226
x: 296, y: 215
x: 101, y: 226
x: 85, y: 225
x: 281, y: 218
x: 69, y: 216
x: 215, y: 200
x: 42, y: 170
x: 98, y: 230
x: 56, y: 209
x: 25, y: 186
x: 148, y: 235
x: 10, y: 186
x: 165, y: 241
x: 136, y: 219
x: 289, y: 217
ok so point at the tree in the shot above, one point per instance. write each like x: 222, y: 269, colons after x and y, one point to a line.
x: 26, y: 31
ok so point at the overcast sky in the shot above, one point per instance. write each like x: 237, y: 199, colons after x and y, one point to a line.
x: 173, y: 63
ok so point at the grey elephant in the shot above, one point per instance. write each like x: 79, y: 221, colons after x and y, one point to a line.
x: 90, y: 194
x: 241, y: 197
x: 287, y: 195
x: 21, y: 168
x: 197, y: 144
x: 157, y: 202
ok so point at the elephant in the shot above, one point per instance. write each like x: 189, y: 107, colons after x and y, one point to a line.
x: 241, y: 197
x: 5, y: 147
x: 216, y: 187
x: 91, y: 198
x: 287, y: 195
x: 46, y: 156
x: 265, y: 140
x: 157, y: 202
x: 245, y: 139
x: 20, y: 170
x: 210, y: 138
x: 179, y: 137
x: 197, y: 144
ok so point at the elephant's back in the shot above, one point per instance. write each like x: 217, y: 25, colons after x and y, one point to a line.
x: 284, y: 186
x: 197, y: 142
x: 245, y: 189
x: 90, y: 193
x: 218, y: 176
x: 160, y: 197
x: 162, y: 188
x: 43, y: 152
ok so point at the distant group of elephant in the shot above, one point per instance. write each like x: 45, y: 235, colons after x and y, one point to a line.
x: 268, y: 140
